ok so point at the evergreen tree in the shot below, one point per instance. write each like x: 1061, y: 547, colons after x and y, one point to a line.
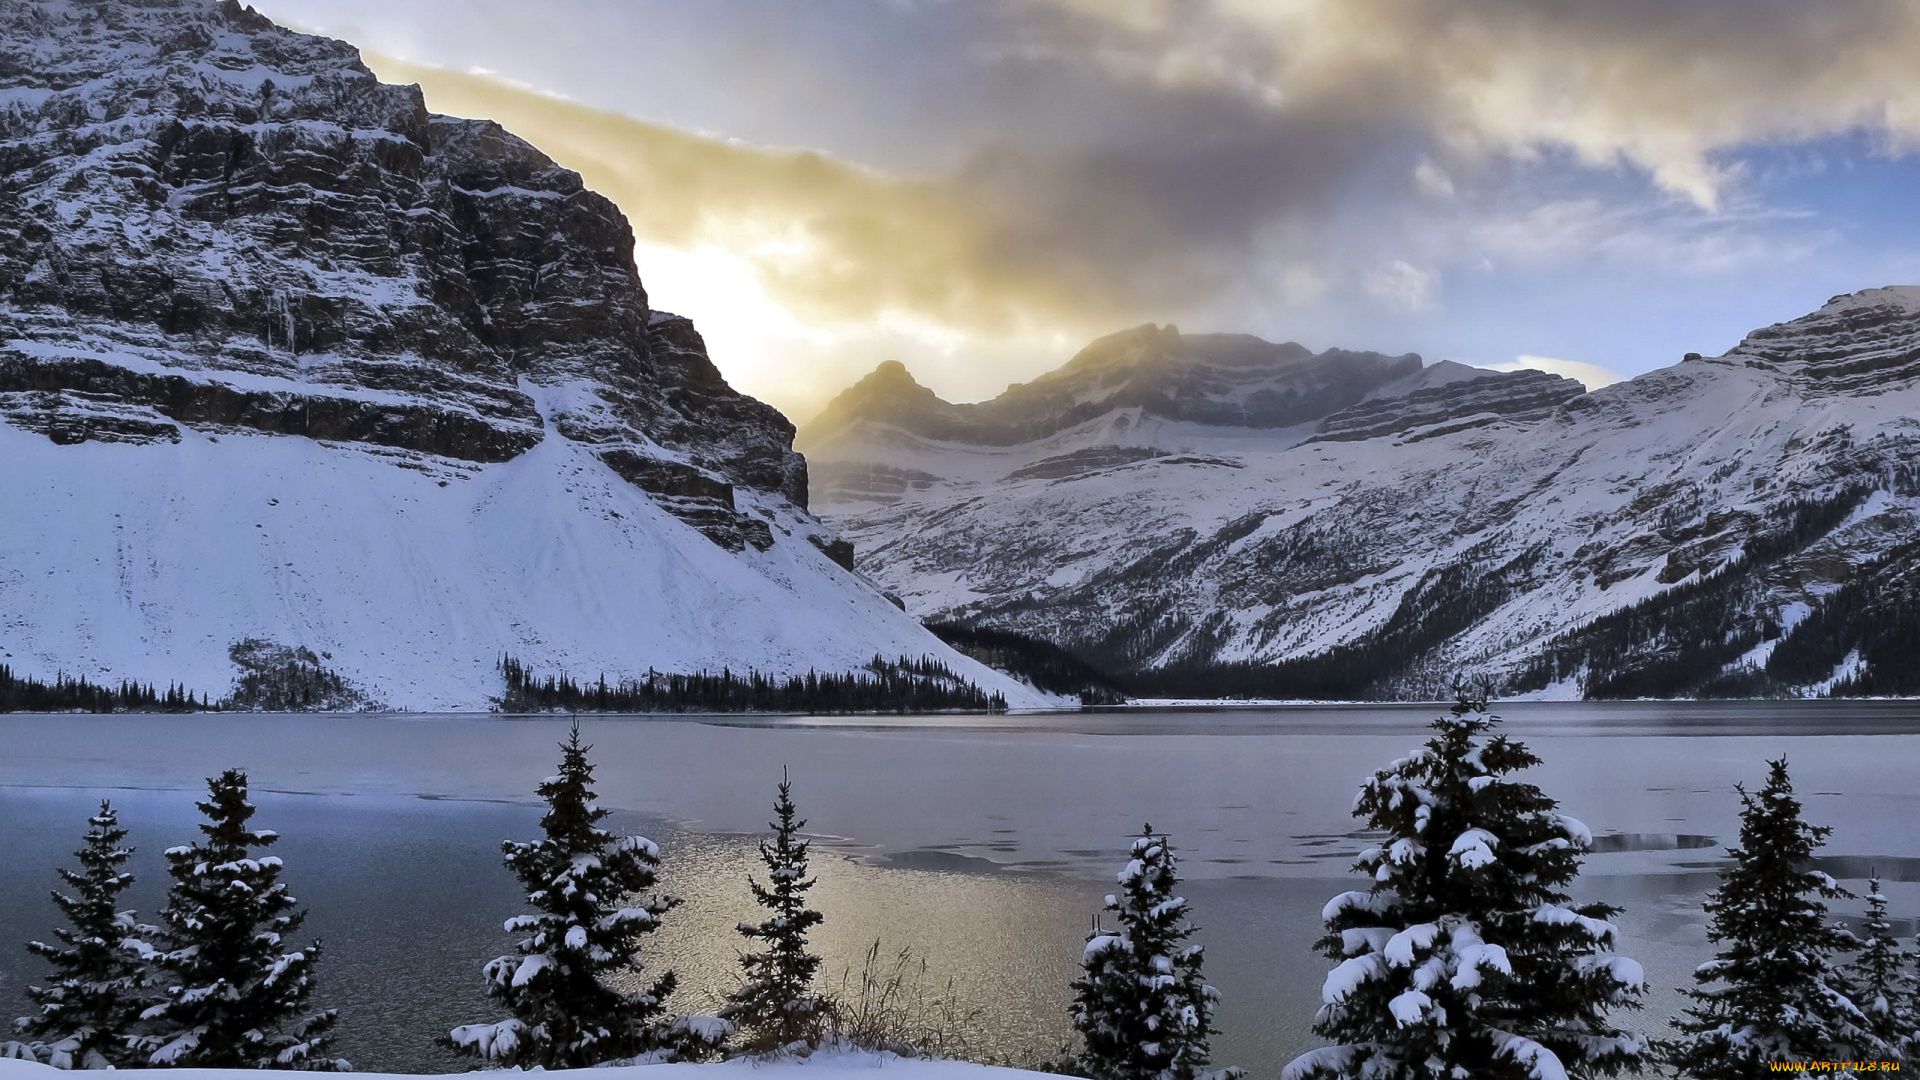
x: 1464, y: 957
x: 1772, y: 992
x: 231, y: 998
x: 1878, y: 976
x: 1909, y: 1044
x: 1141, y: 1004
x: 581, y: 881
x: 776, y: 1008
x: 90, y: 1006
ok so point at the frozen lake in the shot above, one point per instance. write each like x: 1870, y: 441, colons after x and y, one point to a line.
x: 982, y: 843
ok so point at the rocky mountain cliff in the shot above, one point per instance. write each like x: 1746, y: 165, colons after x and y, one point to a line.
x: 242, y: 280
x: 1738, y: 525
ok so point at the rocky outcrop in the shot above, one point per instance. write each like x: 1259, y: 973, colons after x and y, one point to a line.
x: 865, y: 481
x: 1083, y: 462
x: 214, y: 222
x: 83, y: 393
x: 1859, y: 343
x: 1516, y: 396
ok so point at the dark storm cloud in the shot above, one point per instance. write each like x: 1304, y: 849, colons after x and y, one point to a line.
x: 1656, y: 83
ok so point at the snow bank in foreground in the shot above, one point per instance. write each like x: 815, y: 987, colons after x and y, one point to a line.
x: 847, y: 1066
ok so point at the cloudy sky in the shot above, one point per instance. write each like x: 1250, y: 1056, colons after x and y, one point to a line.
x: 979, y: 187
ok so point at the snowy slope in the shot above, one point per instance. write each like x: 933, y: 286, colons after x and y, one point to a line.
x: 123, y: 562
x: 1448, y: 522
x: 284, y: 356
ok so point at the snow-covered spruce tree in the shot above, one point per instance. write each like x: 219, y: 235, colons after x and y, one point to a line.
x: 90, y: 1004
x: 1772, y: 992
x: 582, y: 882
x: 231, y: 998
x: 1879, y: 978
x: 1910, y: 1041
x: 1141, y: 1003
x: 775, y: 1009
x: 1465, y: 958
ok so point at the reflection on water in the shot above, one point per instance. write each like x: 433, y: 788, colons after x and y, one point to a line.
x: 982, y: 843
x: 1001, y: 947
x: 408, y: 897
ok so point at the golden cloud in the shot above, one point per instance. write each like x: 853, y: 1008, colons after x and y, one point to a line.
x: 830, y: 241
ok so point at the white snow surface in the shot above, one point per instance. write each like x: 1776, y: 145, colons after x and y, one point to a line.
x: 147, y: 562
x: 852, y: 1065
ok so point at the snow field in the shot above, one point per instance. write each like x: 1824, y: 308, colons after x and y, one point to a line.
x: 415, y: 574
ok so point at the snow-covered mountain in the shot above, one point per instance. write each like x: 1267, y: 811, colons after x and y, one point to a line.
x: 284, y: 356
x: 1215, y: 513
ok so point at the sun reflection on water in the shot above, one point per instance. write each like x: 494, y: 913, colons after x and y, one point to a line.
x: 995, y: 951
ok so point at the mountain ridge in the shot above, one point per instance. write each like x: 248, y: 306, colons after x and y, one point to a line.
x: 1205, y: 378
x: 1507, y: 524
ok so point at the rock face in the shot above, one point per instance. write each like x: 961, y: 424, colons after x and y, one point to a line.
x: 1426, y: 407
x: 1739, y: 525
x: 214, y: 222
x: 211, y: 227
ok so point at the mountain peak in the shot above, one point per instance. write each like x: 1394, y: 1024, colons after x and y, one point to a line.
x: 889, y: 394
x: 1143, y: 351
x: 890, y: 381
x: 1856, y: 343
x: 1216, y: 380
x: 1125, y: 348
x: 889, y: 373
x: 1905, y: 297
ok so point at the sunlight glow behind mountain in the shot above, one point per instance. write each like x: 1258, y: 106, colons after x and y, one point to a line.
x: 980, y: 189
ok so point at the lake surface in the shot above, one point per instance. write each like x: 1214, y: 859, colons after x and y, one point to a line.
x: 982, y: 844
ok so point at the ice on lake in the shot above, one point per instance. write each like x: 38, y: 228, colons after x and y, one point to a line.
x: 983, y: 843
